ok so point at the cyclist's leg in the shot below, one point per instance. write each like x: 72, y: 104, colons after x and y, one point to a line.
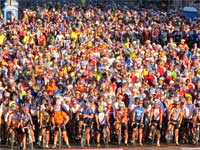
x: 176, y: 133
x: 125, y: 128
x: 65, y: 136
x: 152, y: 127
x: 108, y: 133
x: 55, y: 137
x: 47, y: 135
x: 140, y: 133
x: 134, y: 130
x: 158, y: 134
x: 88, y: 134
x: 98, y: 135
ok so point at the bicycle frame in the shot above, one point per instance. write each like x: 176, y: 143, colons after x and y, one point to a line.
x: 30, y: 139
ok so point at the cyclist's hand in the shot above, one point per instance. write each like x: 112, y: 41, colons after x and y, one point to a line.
x: 150, y: 124
x: 160, y: 126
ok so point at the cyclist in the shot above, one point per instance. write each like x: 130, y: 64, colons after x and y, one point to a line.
x: 87, y: 116
x: 110, y: 118
x: 44, y: 122
x: 122, y: 122
x: 156, y: 117
x: 138, y: 119
x: 59, y: 120
x: 101, y: 121
x: 14, y: 126
x: 188, y: 114
x: 4, y: 108
x: 27, y: 124
x: 175, y: 118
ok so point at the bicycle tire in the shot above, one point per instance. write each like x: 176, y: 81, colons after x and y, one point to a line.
x: 44, y: 141
x: 12, y: 140
x: 105, y: 138
x: 30, y: 140
x: 153, y: 136
x: 60, y: 137
x: 119, y: 136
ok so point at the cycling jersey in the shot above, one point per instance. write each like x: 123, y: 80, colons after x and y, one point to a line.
x: 45, y: 117
x: 139, y: 111
x: 101, y: 117
x: 156, y: 113
x: 59, y: 117
x: 176, y: 114
x: 26, y: 120
x: 15, y: 119
x: 189, y: 110
x: 87, y: 112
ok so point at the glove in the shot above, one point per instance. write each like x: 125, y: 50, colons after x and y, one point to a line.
x: 160, y: 126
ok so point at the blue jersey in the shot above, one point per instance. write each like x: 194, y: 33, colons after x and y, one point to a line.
x: 87, y: 112
x: 139, y: 111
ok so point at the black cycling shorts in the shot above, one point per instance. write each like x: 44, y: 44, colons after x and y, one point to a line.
x: 156, y: 124
x: 174, y: 123
x: 137, y: 124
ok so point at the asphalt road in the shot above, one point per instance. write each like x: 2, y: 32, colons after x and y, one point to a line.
x: 113, y: 147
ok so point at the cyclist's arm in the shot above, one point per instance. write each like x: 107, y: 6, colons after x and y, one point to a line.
x: 142, y: 118
x: 195, y: 119
x: 169, y: 115
x: 161, y: 116
x: 97, y: 120
x: 151, y: 115
x: 91, y: 116
x: 181, y: 117
x: 66, y: 119
x: 133, y: 116
x: 9, y: 122
x: 52, y: 120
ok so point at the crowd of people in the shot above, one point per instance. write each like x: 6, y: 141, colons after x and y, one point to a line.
x: 106, y: 65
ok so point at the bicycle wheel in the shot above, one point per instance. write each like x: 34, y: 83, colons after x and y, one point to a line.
x: 30, y: 140
x: 83, y: 139
x: 153, y: 136
x: 119, y: 136
x: 44, y: 141
x: 105, y: 138
x: 12, y: 140
x: 60, y: 137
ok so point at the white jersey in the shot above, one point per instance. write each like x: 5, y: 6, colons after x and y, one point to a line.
x: 101, y: 117
x: 189, y: 109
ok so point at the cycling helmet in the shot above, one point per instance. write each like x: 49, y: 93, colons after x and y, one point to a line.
x: 156, y: 101
x: 110, y: 101
x: 176, y: 100
x: 100, y: 109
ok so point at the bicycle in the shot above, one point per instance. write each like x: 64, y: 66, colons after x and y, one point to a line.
x: 189, y: 132
x: 197, y: 134
x: 170, y: 135
x: 154, y: 133
x: 30, y: 139
x: 12, y: 140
